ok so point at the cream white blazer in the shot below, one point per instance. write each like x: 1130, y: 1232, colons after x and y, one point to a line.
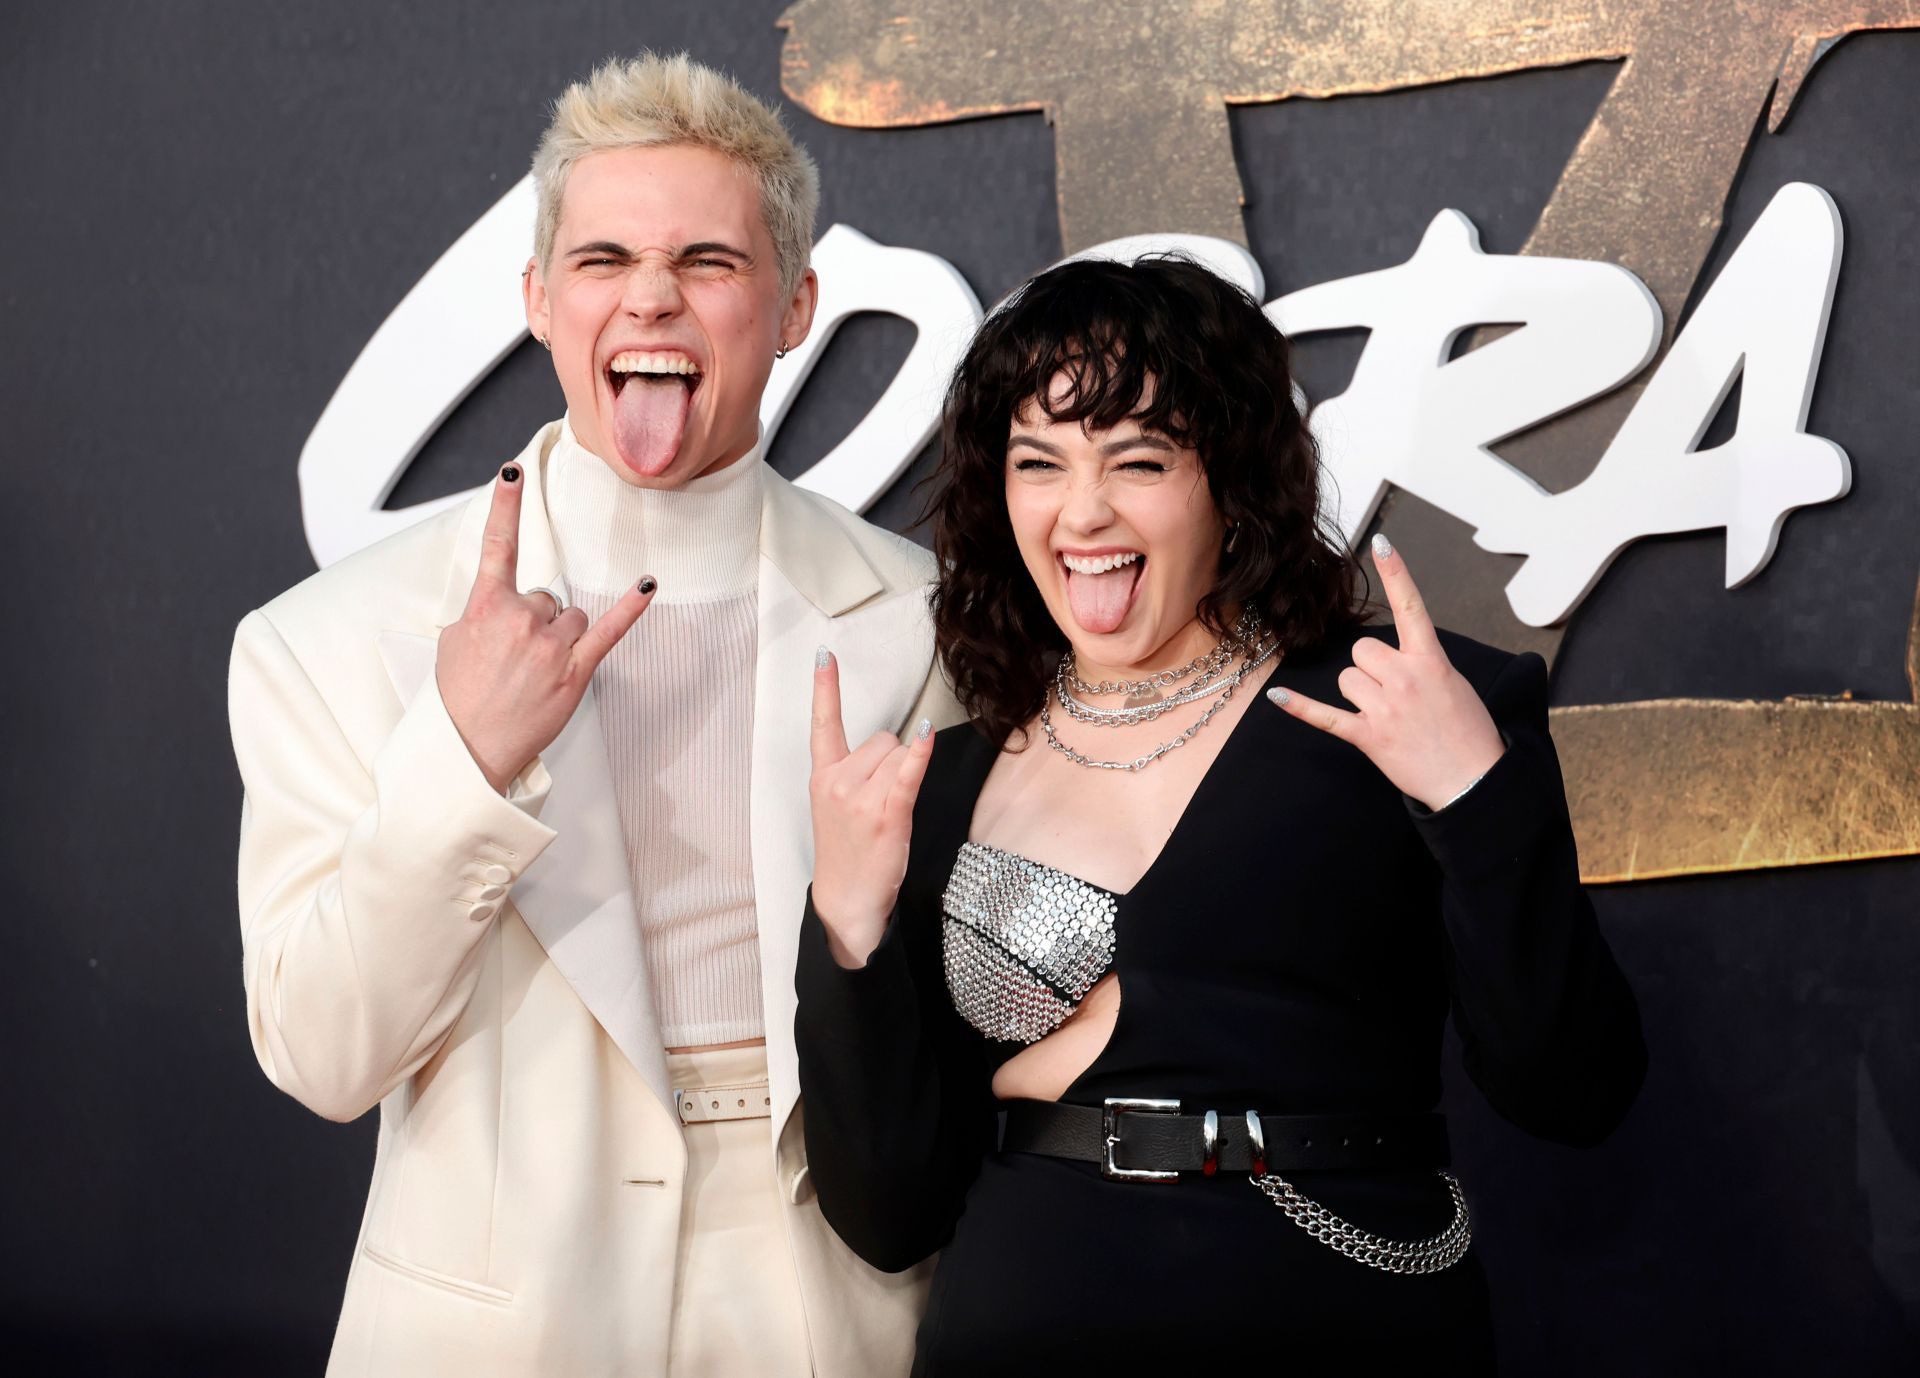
x: 471, y: 963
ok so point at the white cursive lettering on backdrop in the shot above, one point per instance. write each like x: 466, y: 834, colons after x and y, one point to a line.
x: 1415, y: 420
x: 1409, y: 417
x: 856, y: 275
x: 465, y: 315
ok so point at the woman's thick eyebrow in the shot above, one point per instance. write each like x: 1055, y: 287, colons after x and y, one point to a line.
x: 1046, y: 447
x: 1142, y: 441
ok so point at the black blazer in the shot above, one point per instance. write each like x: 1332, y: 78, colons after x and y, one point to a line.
x: 1296, y: 946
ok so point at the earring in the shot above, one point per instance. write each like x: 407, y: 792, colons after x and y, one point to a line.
x: 781, y: 352
x: 548, y: 343
x: 1233, y: 534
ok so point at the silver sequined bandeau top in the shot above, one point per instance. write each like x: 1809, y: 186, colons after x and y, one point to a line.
x: 1023, y: 942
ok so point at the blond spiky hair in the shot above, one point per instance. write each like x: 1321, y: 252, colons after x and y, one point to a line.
x: 649, y: 101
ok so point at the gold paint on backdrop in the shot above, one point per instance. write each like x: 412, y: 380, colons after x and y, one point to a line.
x: 1683, y: 786
x: 1138, y: 91
x: 1674, y: 787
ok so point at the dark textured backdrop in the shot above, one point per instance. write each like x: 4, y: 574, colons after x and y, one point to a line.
x: 209, y: 207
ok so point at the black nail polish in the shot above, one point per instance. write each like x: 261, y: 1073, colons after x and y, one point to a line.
x: 647, y: 584
x: 511, y: 473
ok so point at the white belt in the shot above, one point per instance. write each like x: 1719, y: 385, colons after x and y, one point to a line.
x: 751, y: 1100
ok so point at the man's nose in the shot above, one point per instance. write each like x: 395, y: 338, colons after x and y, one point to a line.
x: 653, y: 291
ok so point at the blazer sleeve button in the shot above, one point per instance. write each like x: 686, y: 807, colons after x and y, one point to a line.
x: 483, y: 911
x: 496, y: 874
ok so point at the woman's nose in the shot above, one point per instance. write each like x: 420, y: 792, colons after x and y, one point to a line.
x: 1086, y: 508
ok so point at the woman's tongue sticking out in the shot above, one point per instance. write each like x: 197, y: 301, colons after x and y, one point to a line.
x: 1100, y: 602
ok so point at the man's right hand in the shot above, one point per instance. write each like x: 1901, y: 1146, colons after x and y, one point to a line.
x: 509, y: 676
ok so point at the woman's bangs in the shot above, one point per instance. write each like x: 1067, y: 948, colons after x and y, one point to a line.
x: 1110, y: 367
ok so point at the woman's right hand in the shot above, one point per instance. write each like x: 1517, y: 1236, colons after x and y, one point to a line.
x: 862, y: 820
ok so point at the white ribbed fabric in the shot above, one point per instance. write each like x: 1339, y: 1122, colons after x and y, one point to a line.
x: 676, y: 705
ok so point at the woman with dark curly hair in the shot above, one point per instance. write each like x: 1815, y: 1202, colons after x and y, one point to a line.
x: 1080, y: 962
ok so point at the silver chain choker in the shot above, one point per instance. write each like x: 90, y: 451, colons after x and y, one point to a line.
x: 1251, y: 639
x: 1206, y: 665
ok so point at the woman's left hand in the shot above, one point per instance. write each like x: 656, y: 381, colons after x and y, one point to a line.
x: 1420, y: 721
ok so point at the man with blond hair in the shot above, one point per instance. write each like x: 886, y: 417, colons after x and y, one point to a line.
x: 524, y: 867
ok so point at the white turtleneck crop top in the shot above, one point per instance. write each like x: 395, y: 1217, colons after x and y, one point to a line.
x: 676, y: 706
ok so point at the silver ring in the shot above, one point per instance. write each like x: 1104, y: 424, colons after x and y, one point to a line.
x: 558, y: 596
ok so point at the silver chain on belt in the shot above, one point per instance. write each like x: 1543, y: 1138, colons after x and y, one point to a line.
x: 1429, y: 1255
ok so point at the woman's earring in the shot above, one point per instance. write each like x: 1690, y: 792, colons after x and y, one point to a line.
x: 547, y: 342
x: 781, y: 352
x: 1233, y: 534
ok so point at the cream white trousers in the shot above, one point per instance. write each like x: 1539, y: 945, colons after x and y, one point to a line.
x: 736, y: 1300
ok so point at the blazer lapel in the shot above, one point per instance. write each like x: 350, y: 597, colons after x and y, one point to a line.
x: 577, y: 897
x: 815, y: 588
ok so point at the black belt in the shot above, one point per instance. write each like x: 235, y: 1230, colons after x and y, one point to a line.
x: 1151, y: 1141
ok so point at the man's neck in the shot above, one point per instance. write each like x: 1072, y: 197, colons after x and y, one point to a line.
x: 700, y: 540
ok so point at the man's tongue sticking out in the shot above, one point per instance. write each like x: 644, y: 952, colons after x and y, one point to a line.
x: 649, y: 419
x: 1100, y: 601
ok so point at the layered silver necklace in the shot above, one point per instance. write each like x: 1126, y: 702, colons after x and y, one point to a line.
x: 1250, y: 642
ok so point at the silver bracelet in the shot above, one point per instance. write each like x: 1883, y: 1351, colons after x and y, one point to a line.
x: 1463, y: 793
x: 1506, y: 744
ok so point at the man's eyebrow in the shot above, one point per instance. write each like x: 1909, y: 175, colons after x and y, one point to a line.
x: 713, y: 246
x: 607, y: 248
x: 601, y: 246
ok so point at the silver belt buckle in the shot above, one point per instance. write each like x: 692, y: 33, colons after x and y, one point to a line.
x: 1110, y: 1112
